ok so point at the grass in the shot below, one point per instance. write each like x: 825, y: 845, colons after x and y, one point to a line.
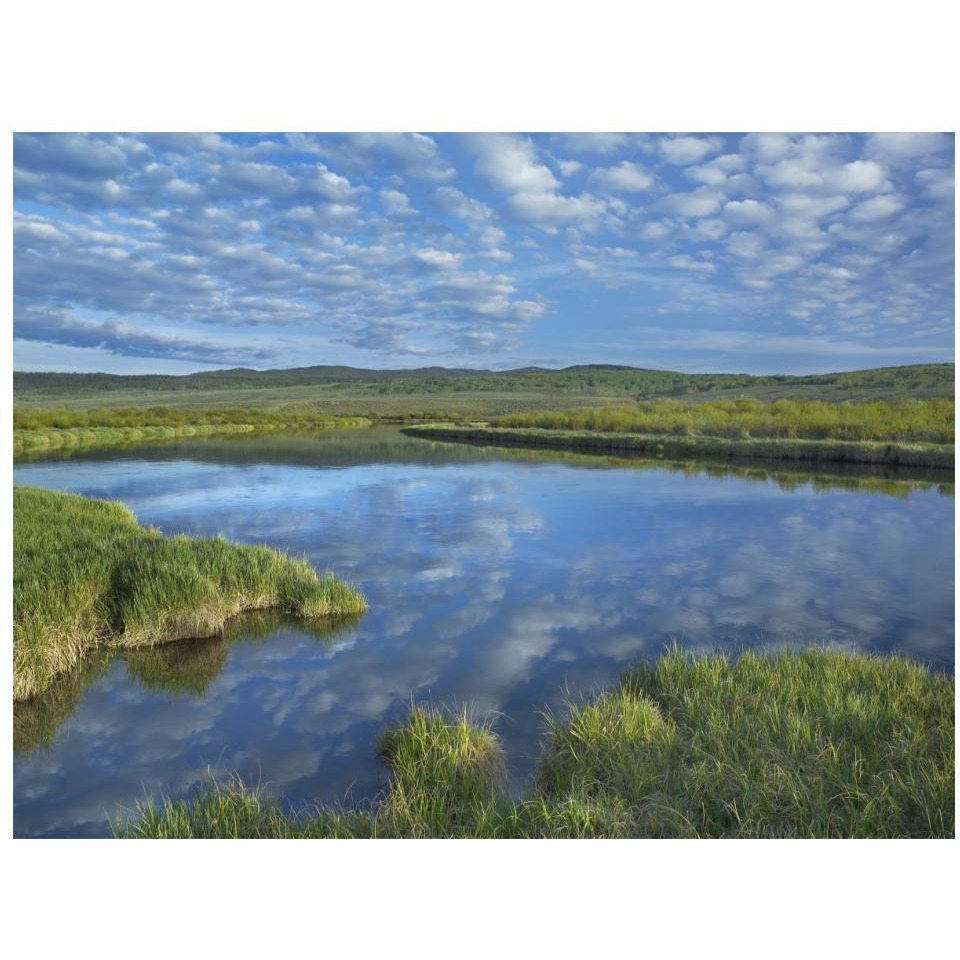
x: 794, y: 744
x: 923, y: 456
x: 902, y: 421
x: 51, y: 429
x: 86, y: 575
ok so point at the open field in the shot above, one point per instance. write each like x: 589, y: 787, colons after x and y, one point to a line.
x: 920, y: 456
x: 86, y: 574
x: 809, y: 744
x: 436, y: 393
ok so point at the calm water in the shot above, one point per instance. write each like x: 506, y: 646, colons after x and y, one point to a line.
x: 495, y: 578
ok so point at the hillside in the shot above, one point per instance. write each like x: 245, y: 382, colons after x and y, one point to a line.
x: 350, y: 386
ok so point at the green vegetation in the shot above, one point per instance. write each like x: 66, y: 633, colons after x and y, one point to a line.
x: 86, y: 574
x: 906, y: 420
x: 56, y: 411
x: 803, y: 744
x: 48, y: 429
x: 932, y: 379
x: 909, y: 455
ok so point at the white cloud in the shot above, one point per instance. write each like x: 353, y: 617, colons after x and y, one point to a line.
x: 905, y: 146
x: 569, y: 167
x: 625, y: 177
x: 458, y: 204
x: 439, y: 259
x: 395, y: 203
x: 552, y: 209
x: 684, y: 150
x: 683, y: 262
x: 747, y: 212
x: 508, y: 163
x: 859, y: 176
x: 936, y: 182
x: 876, y: 208
x: 699, y: 203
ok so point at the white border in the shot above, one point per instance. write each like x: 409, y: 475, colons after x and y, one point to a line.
x: 435, y: 66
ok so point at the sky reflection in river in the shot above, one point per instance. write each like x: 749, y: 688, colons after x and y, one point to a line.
x: 494, y: 579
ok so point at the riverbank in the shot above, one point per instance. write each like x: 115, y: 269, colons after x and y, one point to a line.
x: 86, y: 574
x: 914, y: 455
x: 37, y: 431
x: 800, y: 744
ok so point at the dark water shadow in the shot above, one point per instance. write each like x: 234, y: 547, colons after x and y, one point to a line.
x: 182, y: 668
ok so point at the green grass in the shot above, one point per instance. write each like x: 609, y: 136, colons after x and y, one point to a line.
x: 903, y: 421
x: 51, y: 429
x: 86, y: 574
x: 796, y: 744
x: 922, y: 456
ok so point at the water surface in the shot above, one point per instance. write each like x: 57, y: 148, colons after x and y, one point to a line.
x: 500, y: 579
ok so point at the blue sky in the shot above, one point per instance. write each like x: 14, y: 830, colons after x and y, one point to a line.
x: 699, y: 252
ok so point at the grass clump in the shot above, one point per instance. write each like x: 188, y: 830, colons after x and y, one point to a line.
x: 445, y: 774
x: 86, y: 574
x: 809, y: 744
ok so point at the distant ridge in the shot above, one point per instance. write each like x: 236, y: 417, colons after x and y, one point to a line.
x: 933, y: 379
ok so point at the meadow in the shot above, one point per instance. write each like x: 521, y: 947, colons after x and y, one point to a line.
x: 816, y: 743
x: 87, y: 575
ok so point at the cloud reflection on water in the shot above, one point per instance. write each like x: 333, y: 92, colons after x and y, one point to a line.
x: 496, y: 583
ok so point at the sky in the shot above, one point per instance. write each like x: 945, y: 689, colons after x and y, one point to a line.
x: 756, y: 253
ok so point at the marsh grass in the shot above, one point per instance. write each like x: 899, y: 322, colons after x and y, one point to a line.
x: 908, y: 420
x: 809, y: 744
x: 87, y: 574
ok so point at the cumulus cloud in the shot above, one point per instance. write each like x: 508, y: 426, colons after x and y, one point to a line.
x: 509, y: 164
x: 907, y: 146
x: 395, y: 203
x: 625, y: 177
x: 684, y: 150
x: 876, y: 208
x: 697, y: 203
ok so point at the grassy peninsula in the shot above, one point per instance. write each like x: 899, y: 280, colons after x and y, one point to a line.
x: 909, y: 432
x: 87, y: 575
x: 799, y: 744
